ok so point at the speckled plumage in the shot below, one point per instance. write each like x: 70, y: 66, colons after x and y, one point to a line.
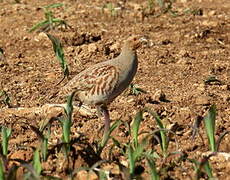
x: 101, y: 83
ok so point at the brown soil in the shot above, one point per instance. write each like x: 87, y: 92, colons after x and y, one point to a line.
x: 182, y: 52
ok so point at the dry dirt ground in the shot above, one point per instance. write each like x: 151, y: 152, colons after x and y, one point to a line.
x: 182, y: 52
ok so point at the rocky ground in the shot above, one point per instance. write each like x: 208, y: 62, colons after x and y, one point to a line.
x: 187, y: 45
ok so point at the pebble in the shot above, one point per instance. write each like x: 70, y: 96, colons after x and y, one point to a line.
x: 200, y: 87
x: 92, y: 48
x: 210, y: 40
x: 202, y: 100
x: 41, y: 36
x: 159, y: 95
x: 183, y: 53
x: 114, y: 168
x: 210, y: 23
x: 225, y: 87
x: 182, y: 61
x: 83, y: 175
x: 212, y: 13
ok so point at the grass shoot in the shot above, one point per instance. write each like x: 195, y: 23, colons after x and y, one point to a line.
x: 209, y: 122
x: 135, y: 90
x: 58, y: 50
x: 6, y: 133
x: 50, y: 21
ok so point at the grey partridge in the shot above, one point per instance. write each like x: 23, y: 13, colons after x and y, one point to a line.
x: 101, y: 83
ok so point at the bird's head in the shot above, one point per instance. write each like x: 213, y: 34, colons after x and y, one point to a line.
x: 132, y: 43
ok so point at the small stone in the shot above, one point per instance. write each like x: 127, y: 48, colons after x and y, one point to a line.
x: 130, y: 100
x: 70, y: 49
x: 124, y: 163
x: 159, y: 95
x: 164, y: 113
x: 210, y: 23
x: 183, y: 53
x: 26, y: 38
x: 113, y: 168
x: 115, y: 115
x: 210, y: 40
x: 20, y: 154
x: 202, y: 100
x: 50, y: 76
x: 83, y: 175
x: 201, y: 87
x: 212, y: 13
x: 182, y: 61
x: 92, y: 48
x: 145, y: 115
x: 185, y: 113
x: 41, y: 36
x: 225, y: 87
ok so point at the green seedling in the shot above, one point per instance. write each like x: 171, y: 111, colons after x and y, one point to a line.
x: 150, y: 5
x: 166, y: 6
x: 10, y: 174
x: 58, y: 50
x: 107, y: 136
x: 194, y: 11
x: 6, y: 133
x: 34, y: 169
x: 202, y: 166
x: 209, y: 122
x: 139, y: 151
x: 50, y: 21
x: 164, y: 142
x: 37, y: 163
x: 135, y: 127
x: 112, y: 9
x: 2, y: 174
x: 66, y: 124
x: 136, y: 150
x: 43, y: 136
x: 44, y: 146
x: 152, y: 166
x: 212, y: 80
x: 220, y: 138
x: 135, y: 90
x: 5, y: 171
x: 135, y: 154
x: 32, y: 172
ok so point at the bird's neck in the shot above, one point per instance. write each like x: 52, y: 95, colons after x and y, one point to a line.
x: 128, y: 57
x: 127, y: 52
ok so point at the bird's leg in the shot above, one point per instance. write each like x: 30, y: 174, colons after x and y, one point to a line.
x: 99, y: 111
x: 106, y: 119
x: 105, y: 113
